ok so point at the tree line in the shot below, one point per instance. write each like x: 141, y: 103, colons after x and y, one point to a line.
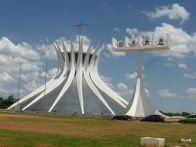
x: 176, y: 114
x: 6, y: 102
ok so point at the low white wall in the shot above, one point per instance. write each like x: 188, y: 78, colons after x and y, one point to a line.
x: 152, y: 142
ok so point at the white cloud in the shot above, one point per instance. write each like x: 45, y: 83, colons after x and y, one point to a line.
x: 23, y: 49
x: 50, y: 74
x: 191, y: 93
x: 114, y: 54
x: 174, y: 12
x: 129, y: 5
x: 165, y: 93
x: 122, y: 86
x: 190, y: 76
x: 116, y: 30
x: 107, y: 81
x: 106, y: 54
x: 182, y: 66
x: 181, y: 43
x: 5, y: 91
x: 48, y: 50
x: 11, y: 56
x: 32, y: 85
x: 6, y: 77
x: 132, y: 31
x: 131, y: 76
x: 123, y: 89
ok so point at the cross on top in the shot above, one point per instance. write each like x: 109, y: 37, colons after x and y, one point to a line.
x: 80, y: 26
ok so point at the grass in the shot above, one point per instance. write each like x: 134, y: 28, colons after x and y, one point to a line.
x: 20, y: 139
x: 32, y: 130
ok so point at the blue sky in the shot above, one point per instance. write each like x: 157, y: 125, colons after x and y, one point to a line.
x: 29, y: 28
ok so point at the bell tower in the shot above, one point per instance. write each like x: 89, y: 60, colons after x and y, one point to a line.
x: 139, y: 105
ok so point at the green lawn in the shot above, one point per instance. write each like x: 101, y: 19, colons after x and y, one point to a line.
x: 30, y: 130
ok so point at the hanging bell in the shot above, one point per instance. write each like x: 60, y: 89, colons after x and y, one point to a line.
x: 147, y: 42
x: 133, y: 42
x: 120, y: 43
x: 161, y: 41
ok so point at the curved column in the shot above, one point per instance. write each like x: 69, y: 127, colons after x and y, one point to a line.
x: 57, y: 73
x: 98, y: 82
x: 79, y: 76
x: 60, y: 59
x: 55, y: 84
x: 93, y: 87
x: 92, y: 61
x: 111, y: 91
x: 86, y: 60
x: 69, y: 79
x: 66, y: 57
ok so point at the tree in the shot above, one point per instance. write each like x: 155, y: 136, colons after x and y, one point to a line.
x: 185, y: 114
x: 5, y: 103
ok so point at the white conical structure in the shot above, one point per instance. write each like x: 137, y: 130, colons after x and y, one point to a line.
x: 76, y: 87
x: 139, y: 105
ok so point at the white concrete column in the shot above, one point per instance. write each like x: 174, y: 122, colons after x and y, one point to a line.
x: 139, y: 65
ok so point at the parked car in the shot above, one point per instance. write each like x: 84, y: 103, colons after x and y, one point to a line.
x: 189, y: 119
x: 153, y: 118
x: 122, y: 117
